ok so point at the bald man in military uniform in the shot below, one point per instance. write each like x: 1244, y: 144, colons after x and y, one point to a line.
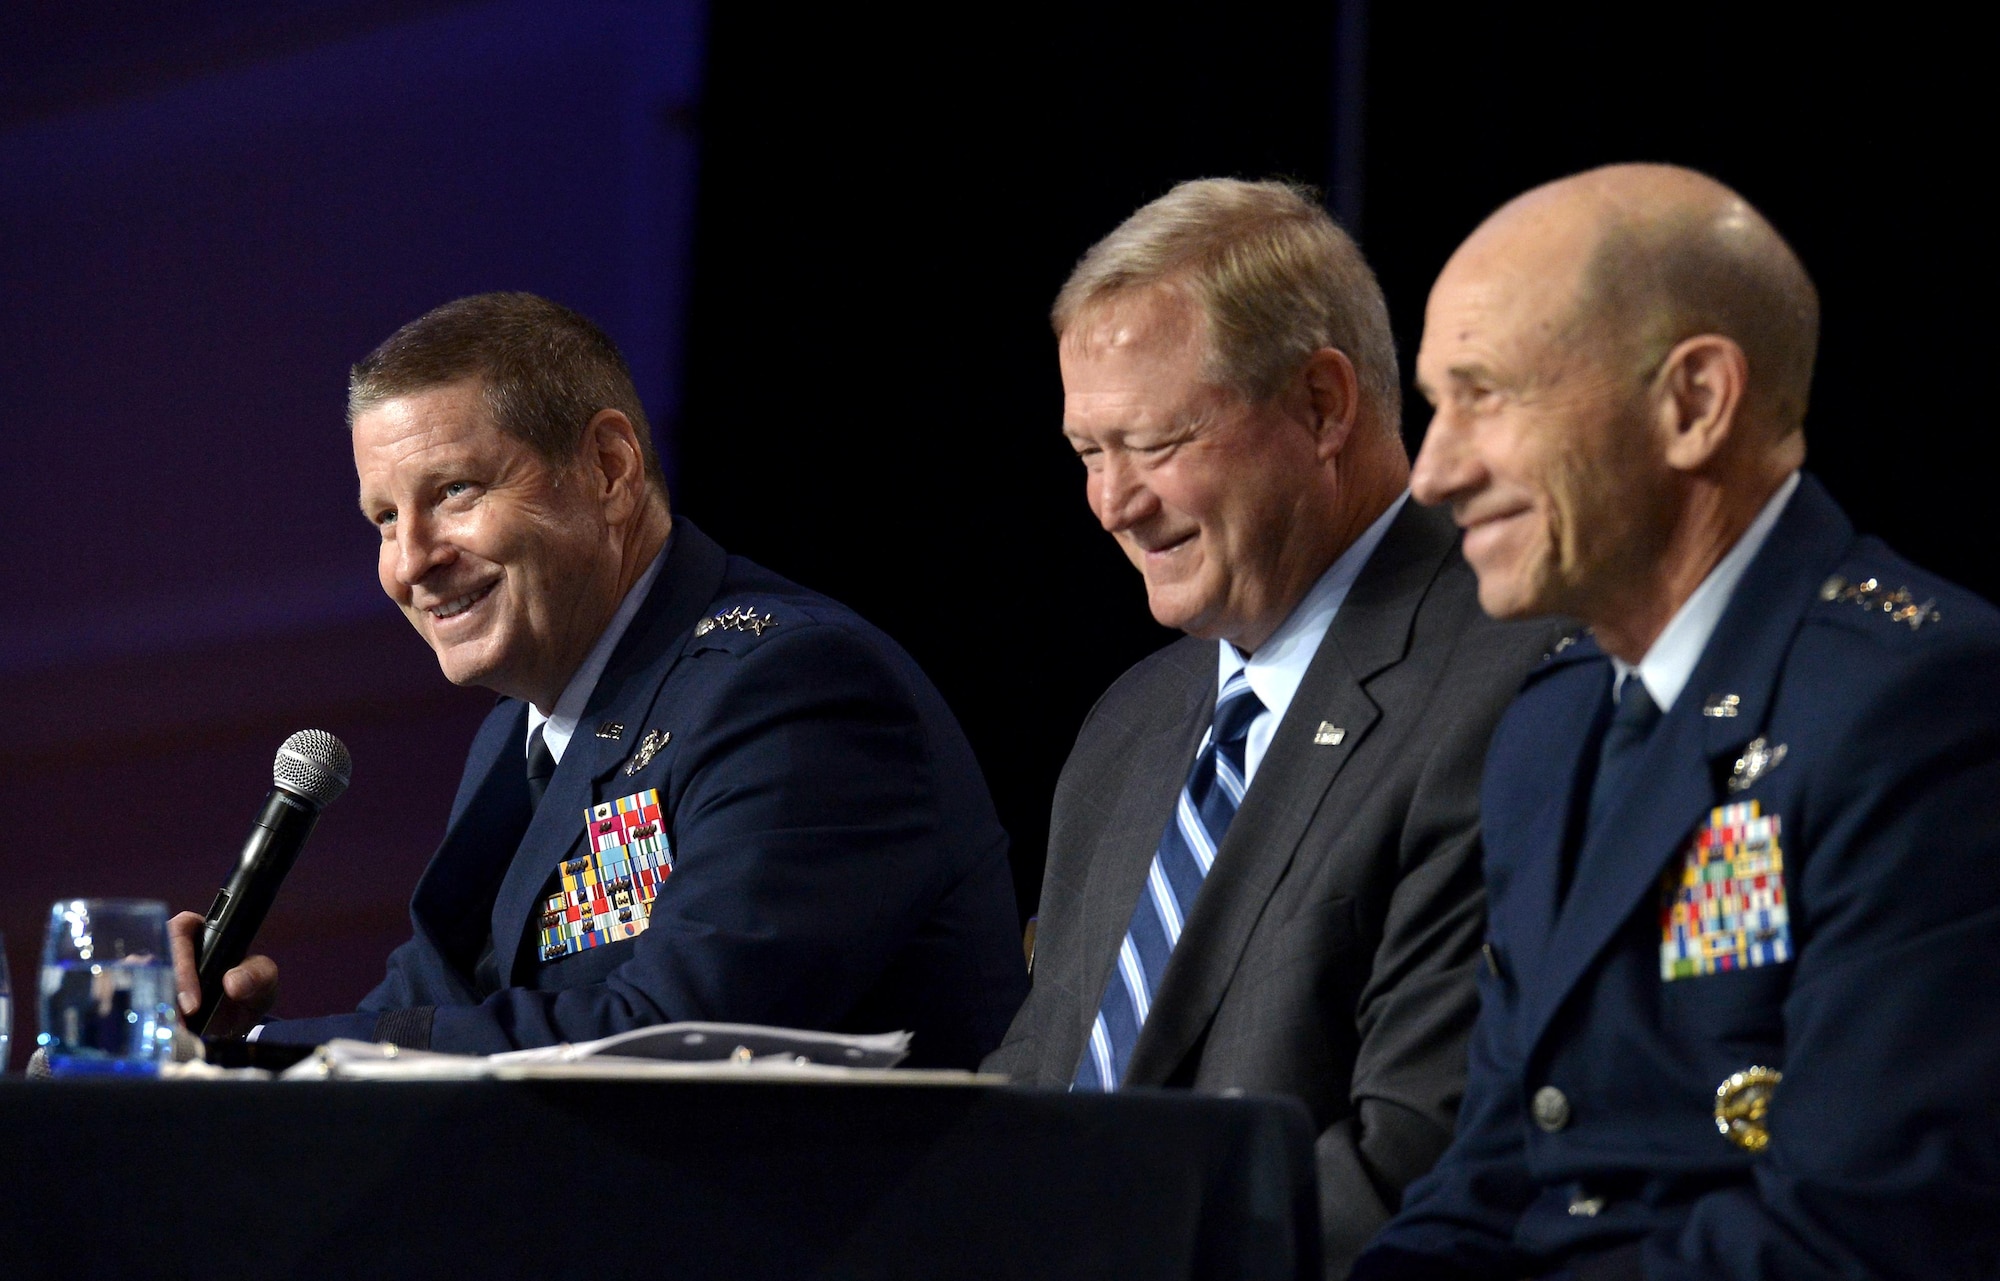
x: 1743, y: 835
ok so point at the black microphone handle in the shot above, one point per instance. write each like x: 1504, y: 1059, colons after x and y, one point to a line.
x: 273, y: 846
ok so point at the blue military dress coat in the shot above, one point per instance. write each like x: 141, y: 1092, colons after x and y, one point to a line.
x: 1828, y: 784
x: 836, y: 861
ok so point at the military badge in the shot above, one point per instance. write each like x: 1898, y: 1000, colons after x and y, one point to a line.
x: 649, y: 747
x: 607, y: 892
x: 1722, y: 906
x: 1741, y: 1104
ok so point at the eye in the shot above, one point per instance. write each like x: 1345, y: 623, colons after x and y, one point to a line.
x: 455, y: 488
x: 385, y: 518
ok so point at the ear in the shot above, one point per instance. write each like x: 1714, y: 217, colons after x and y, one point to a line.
x: 1333, y: 397
x: 1698, y: 394
x: 618, y: 464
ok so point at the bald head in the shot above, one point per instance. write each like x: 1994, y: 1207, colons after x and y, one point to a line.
x: 1655, y: 254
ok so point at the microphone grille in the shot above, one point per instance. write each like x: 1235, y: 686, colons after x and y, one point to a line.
x: 314, y: 765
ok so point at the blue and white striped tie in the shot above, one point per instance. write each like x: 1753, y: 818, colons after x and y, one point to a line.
x: 1208, y: 801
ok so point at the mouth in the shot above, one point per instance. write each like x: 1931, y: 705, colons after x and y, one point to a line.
x: 1169, y: 547
x: 459, y: 606
x: 1482, y: 530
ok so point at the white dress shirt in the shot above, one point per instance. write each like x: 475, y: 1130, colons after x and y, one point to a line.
x: 1280, y: 663
x: 561, y: 723
x: 1671, y: 659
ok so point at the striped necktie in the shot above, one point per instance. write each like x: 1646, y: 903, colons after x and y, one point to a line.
x: 1207, y: 803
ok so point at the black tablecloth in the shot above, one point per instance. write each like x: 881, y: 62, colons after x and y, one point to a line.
x: 628, y: 1179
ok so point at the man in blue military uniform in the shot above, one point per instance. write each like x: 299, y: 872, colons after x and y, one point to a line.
x: 706, y: 793
x: 1743, y: 836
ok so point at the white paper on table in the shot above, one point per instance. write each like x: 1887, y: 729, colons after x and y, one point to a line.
x: 672, y: 1051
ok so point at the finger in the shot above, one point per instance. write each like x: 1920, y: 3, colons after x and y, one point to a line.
x: 182, y: 935
x: 253, y: 984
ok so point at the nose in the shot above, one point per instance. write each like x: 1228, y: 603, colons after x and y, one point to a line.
x: 1118, y: 495
x: 1446, y: 466
x: 414, y: 552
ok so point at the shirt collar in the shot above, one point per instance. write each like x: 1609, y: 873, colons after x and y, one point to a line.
x: 1670, y: 661
x: 561, y: 723
x: 1280, y: 663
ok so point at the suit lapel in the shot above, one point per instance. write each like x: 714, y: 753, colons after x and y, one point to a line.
x: 450, y: 900
x: 690, y: 579
x: 1621, y: 863
x: 1369, y: 634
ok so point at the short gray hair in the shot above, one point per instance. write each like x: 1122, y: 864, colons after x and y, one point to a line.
x: 1273, y: 276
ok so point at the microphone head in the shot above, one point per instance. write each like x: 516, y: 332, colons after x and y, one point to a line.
x: 314, y: 766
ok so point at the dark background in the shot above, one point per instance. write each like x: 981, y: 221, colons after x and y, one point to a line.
x: 827, y: 241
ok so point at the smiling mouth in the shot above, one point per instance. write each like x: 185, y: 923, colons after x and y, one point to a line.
x: 1170, y: 546
x: 453, y: 608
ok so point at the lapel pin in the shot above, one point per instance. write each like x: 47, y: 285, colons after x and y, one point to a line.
x: 649, y: 747
x: 1329, y: 734
x: 611, y: 729
x: 1759, y: 758
x: 1723, y: 707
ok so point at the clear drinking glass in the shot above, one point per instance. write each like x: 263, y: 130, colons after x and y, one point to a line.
x: 6, y: 1008
x: 107, y: 987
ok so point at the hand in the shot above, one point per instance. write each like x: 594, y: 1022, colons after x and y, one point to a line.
x: 248, y: 991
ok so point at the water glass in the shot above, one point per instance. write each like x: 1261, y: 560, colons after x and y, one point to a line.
x: 6, y: 1008
x: 107, y: 987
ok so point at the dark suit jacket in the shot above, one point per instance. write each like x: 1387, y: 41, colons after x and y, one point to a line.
x: 838, y: 861
x: 1884, y: 1155
x: 1329, y: 955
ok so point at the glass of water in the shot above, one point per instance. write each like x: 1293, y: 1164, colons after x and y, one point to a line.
x: 6, y: 1008
x: 107, y: 987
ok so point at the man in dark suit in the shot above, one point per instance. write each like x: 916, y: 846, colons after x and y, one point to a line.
x: 1743, y: 843
x: 1263, y: 860
x: 706, y: 793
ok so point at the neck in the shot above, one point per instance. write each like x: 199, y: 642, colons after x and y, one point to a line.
x: 1363, y: 480
x: 1712, y: 519
x: 636, y: 544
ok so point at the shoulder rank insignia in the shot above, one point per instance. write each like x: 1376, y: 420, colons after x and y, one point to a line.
x: 738, y: 619
x: 1564, y: 642
x: 1899, y: 605
x: 1722, y: 903
x: 1759, y: 758
x: 649, y: 747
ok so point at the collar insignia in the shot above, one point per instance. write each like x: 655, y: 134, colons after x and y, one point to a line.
x: 611, y: 730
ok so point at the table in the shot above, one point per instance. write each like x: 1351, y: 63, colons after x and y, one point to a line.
x: 606, y: 1179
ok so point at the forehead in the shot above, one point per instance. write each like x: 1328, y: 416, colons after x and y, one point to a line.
x: 432, y: 427
x: 1135, y: 356
x: 1511, y: 291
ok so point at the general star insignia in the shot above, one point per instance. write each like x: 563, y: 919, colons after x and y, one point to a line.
x: 1759, y: 758
x: 649, y: 747
x: 737, y: 619
x: 1899, y: 605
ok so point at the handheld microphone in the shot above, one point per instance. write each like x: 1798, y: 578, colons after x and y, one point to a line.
x: 310, y: 773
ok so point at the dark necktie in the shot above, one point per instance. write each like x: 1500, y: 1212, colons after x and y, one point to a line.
x: 1202, y: 813
x: 541, y: 767
x: 1632, y: 720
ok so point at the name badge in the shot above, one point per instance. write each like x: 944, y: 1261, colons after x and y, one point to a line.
x: 1722, y: 908
x: 607, y: 893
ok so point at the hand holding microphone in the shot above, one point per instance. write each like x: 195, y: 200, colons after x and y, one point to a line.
x: 220, y: 992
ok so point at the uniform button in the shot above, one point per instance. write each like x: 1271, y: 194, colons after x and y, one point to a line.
x: 1551, y: 1109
